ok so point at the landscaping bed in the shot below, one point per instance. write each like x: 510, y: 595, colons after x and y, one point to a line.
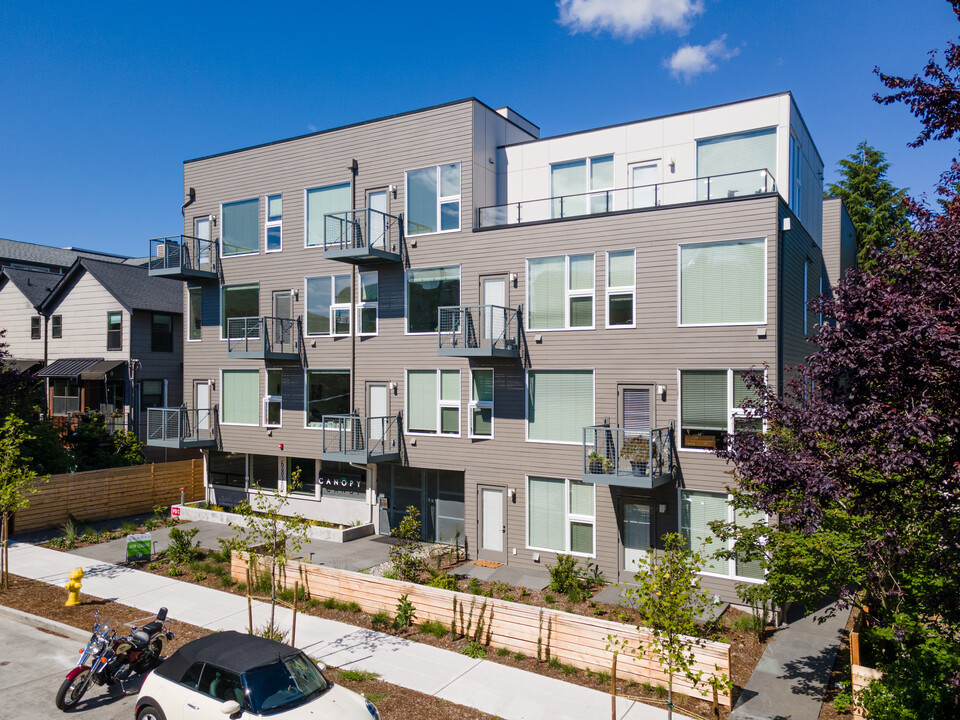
x: 74, y: 534
x: 315, y: 530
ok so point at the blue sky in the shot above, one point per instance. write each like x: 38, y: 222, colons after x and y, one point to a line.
x: 101, y: 102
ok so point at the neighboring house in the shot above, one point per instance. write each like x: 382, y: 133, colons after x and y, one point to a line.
x: 43, y: 258
x: 22, y: 292
x: 536, y: 342
x: 115, y: 342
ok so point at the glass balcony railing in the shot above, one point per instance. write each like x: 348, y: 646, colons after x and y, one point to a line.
x: 731, y: 185
x: 479, y: 331
x: 183, y: 257
x: 181, y: 427
x: 266, y: 338
x: 632, y: 458
x: 353, y: 438
x: 362, y: 235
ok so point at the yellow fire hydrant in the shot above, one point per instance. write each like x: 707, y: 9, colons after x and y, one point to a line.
x: 73, y: 588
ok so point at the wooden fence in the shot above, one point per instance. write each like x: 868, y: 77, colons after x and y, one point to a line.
x: 572, y: 639
x: 111, y: 493
x: 860, y: 675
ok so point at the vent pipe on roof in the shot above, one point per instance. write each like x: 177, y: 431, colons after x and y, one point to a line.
x: 191, y: 198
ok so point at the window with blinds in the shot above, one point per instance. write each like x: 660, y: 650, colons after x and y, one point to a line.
x: 736, y: 165
x: 560, y: 292
x: 723, y: 283
x: 240, y: 227
x: 240, y: 397
x: 481, y: 403
x: 559, y: 405
x: 636, y: 410
x: 433, y: 401
x: 323, y: 200
x: 561, y: 515
x: 697, y: 511
x: 704, y: 412
x: 621, y: 288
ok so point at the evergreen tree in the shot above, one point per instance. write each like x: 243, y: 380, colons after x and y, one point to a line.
x: 874, y: 203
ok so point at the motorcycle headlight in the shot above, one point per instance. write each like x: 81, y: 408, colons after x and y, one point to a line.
x: 374, y: 713
x: 96, y: 647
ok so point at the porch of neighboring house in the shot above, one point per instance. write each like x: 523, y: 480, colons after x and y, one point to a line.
x: 75, y: 385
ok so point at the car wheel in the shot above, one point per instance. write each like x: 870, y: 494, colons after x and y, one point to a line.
x: 148, y: 712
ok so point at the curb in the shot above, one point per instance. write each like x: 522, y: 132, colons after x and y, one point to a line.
x: 43, y: 623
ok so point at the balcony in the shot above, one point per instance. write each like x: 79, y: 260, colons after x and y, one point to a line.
x: 362, y: 236
x: 565, y: 207
x: 362, y: 440
x: 637, y: 458
x: 182, y: 257
x: 263, y: 338
x: 181, y: 428
x: 484, y: 331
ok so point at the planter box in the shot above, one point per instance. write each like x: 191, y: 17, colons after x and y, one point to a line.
x: 314, y: 532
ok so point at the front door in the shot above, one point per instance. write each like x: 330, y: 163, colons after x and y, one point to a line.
x: 636, y: 519
x: 493, y: 524
x: 202, y: 393
x: 493, y: 291
x: 377, y: 201
x: 643, y: 180
x: 283, y: 328
x: 201, y: 231
x: 378, y: 411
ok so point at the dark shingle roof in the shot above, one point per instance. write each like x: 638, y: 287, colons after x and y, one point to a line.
x: 131, y: 285
x: 29, y: 253
x: 34, y: 285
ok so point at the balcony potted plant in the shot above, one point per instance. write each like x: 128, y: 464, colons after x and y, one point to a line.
x: 599, y: 464
x: 637, y: 450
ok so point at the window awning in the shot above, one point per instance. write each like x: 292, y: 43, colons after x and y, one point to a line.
x: 68, y: 367
x: 21, y: 365
x: 101, y: 369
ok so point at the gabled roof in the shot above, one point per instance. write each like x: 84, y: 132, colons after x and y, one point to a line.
x: 30, y: 253
x: 131, y: 285
x: 34, y: 285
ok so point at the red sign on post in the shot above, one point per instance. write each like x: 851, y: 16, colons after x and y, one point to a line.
x: 175, y: 511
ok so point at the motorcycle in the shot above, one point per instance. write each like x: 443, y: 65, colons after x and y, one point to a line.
x: 109, y: 658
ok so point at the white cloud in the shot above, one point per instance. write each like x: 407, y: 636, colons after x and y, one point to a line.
x: 628, y: 18
x: 692, y: 60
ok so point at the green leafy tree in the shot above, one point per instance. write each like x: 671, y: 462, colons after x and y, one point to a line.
x: 17, y: 480
x: 93, y: 446
x: 670, y: 601
x: 875, y: 205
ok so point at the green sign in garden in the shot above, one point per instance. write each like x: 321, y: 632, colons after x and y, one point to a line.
x: 139, y: 547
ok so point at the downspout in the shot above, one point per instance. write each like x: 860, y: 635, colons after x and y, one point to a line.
x: 354, y: 169
x: 191, y: 198
x: 780, y: 243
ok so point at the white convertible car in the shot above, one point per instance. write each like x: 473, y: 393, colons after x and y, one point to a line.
x: 238, y: 675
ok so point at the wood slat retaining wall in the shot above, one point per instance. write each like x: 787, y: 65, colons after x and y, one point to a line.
x: 572, y: 639
x: 110, y: 493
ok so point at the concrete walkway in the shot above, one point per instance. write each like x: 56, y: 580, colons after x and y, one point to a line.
x: 791, y: 678
x: 500, y: 690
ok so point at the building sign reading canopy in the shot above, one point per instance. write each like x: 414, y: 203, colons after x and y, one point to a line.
x: 342, y: 484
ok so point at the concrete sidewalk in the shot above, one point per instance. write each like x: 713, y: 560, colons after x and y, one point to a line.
x: 506, y: 692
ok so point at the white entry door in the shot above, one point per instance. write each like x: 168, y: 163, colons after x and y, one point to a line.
x: 203, y: 405
x: 377, y: 228
x: 636, y: 537
x: 377, y: 408
x: 494, y: 292
x: 643, y: 180
x: 492, y: 524
x: 201, y: 230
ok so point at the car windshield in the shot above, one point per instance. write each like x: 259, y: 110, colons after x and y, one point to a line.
x: 289, y: 682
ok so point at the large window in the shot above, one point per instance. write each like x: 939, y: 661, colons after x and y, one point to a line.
x: 328, y: 305
x: 367, y: 308
x: 736, y: 165
x: 433, y: 402
x: 697, y: 511
x: 571, y: 181
x: 621, y: 288
x: 307, y: 480
x: 710, y: 403
x: 35, y: 327
x: 238, y: 301
x: 723, y: 283
x: 240, y: 227
x: 240, y: 397
x: 263, y: 471
x: 227, y: 469
x: 153, y: 393
x: 114, y: 331
x: 273, y: 400
x: 273, y: 228
x: 195, y: 313
x: 161, y: 333
x: 559, y: 405
x: 560, y: 292
x: 429, y: 289
x: 561, y: 515
x: 66, y: 397
x: 433, y: 199
x: 328, y: 393
x: 323, y: 200
x: 481, y: 403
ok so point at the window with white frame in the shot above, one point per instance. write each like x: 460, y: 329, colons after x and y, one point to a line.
x: 723, y: 283
x: 323, y: 200
x: 195, y: 313
x: 433, y: 402
x: 240, y: 227
x: 328, y: 393
x: 736, y: 165
x: 559, y: 405
x: 273, y: 228
x: 561, y: 515
x: 710, y: 406
x: 481, y: 403
x: 621, y: 288
x: 240, y: 397
x: 328, y: 305
x: 571, y: 181
x: 368, y: 307
x: 433, y: 199
x: 697, y: 511
x: 239, y: 308
x: 428, y: 290
x: 560, y: 292
x: 273, y: 400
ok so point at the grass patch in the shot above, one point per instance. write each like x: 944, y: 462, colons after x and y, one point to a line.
x: 376, y: 697
x: 569, y: 669
x: 519, y: 656
x: 381, y: 618
x: 503, y: 652
x: 554, y: 663
x: 744, y: 624
x: 434, y: 627
x: 358, y: 675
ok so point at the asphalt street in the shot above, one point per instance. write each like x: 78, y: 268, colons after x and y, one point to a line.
x: 34, y: 659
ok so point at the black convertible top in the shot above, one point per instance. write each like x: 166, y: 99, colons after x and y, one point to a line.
x: 229, y: 650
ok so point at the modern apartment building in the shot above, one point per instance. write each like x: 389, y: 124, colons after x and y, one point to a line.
x: 535, y: 341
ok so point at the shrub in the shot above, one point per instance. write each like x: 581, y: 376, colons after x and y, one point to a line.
x: 503, y: 652
x: 182, y: 548
x: 474, y: 587
x: 568, y: 669
x: 226, y: 581
x: 474, y: 650
x: 128, y: 528
x: 381, y: 618
x: 408, y: 564
x: 271, y: 632
x: 199, y: 576
x: 444, y: 581
x: 500, y: 587
x: 329, y: 603
x: 519, y: 656
x: 435, y: 628
x: 549, y: 598
x: 565, y: 574
x: 152, y: 567
x: 554, y: 663
x: 352, y: 606
x: 660, y: 691
x: 508, y: 597
x: 174, y: 571
x: 406, y: 613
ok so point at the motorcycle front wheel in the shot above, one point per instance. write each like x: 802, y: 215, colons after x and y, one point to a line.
x: 71, y: 691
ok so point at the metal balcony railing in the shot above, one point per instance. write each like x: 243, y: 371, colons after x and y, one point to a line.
x: 635, y: 458
x: 263, y: 337
x: 354, y: 438
x: 730, y: 185
x: 180, y: 427
x: 479, y: 331
x: 362, y: 233
x: 184, y: 256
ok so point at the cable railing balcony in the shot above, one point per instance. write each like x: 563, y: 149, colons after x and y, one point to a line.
x: 181, y: 427
x: 183, y: 257
x: 598, y: 202
x: 358, y: 439
x: 631, y: 458
x: 479, y: 331
x: 265, y: 338
x: 362, y: 235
